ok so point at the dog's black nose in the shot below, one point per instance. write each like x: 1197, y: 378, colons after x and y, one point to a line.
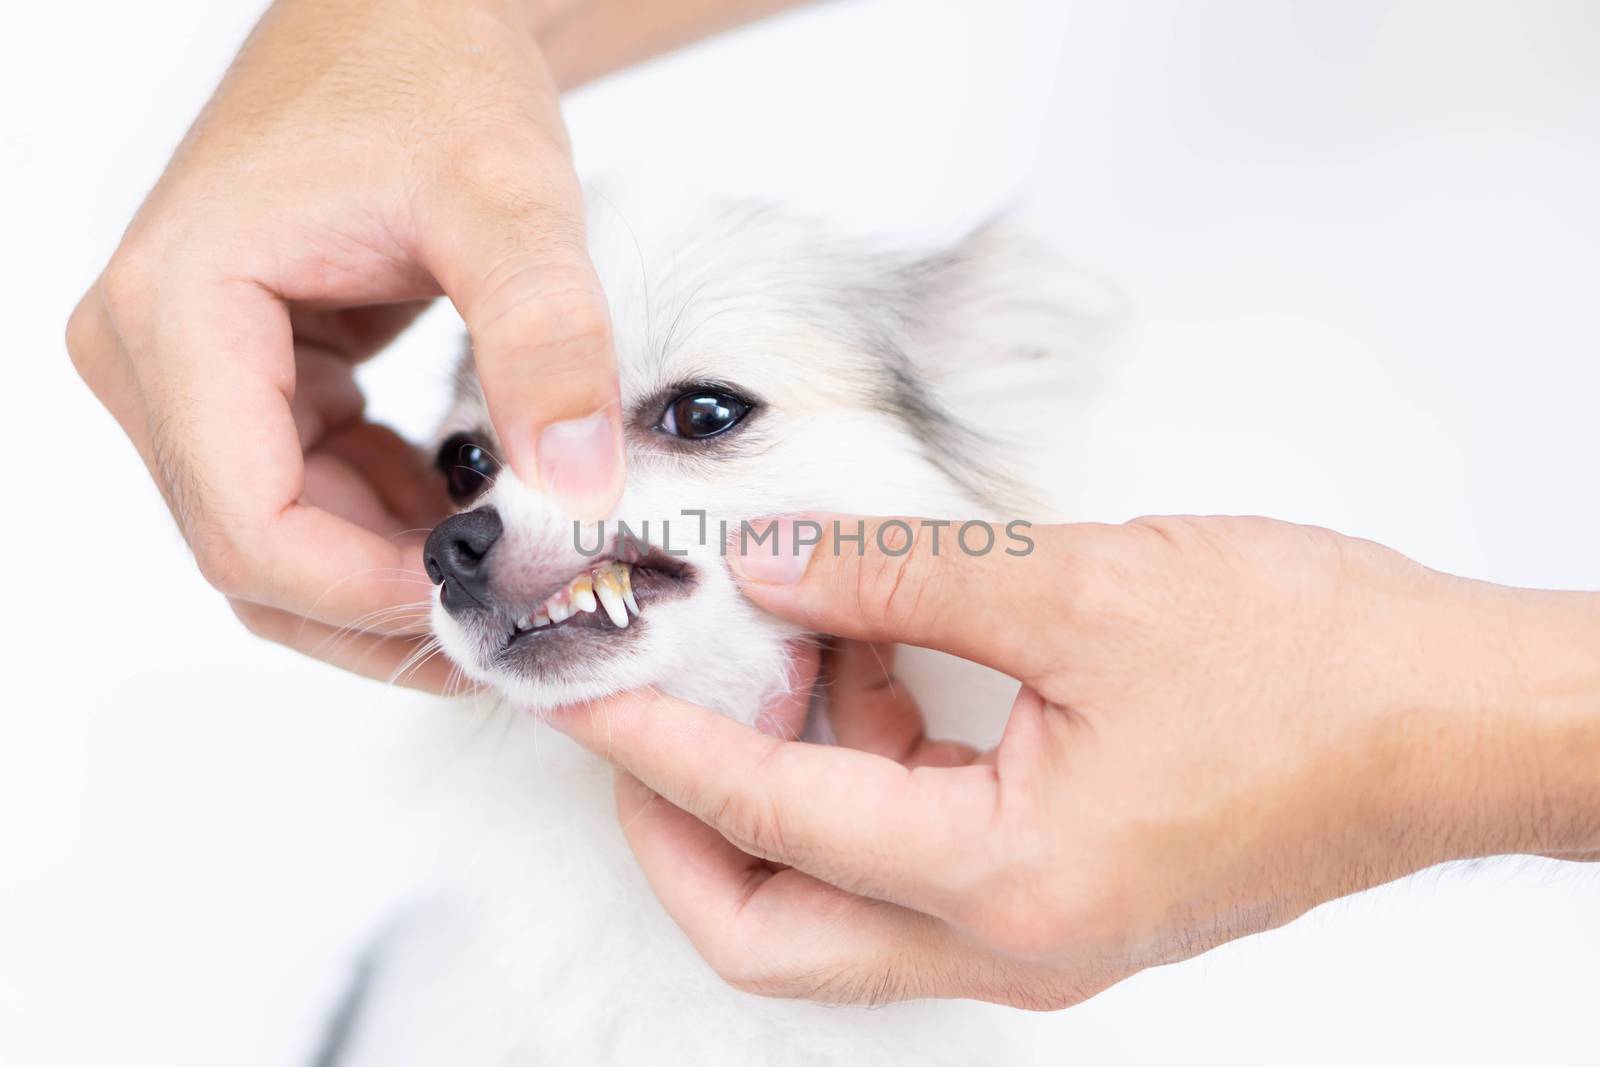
x: 457, y: 556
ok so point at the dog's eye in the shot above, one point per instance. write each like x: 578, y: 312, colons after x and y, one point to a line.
x: 467, y: 467
x: 701, y: 413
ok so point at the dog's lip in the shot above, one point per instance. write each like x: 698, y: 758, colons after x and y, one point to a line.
x: 656, y: 576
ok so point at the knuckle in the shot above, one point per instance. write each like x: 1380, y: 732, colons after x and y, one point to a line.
x: 520, y: 184
x: 221, y: 562
x: 749, y: 815
x: 1090, y: 581
x: 771, y: 954
x: 892, y: 579
x: 499, y: 165
x: 748, y: 977
x: 83, y: 335
x: 1175, y: 531
x: 754, y: 825
x: 742, y: 958
x: 524, y: 306
x: 757, y: 975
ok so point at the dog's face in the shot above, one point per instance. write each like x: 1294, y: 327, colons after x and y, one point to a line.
x: 765, y: 370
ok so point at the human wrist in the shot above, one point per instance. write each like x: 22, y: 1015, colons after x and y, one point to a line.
x: 587, y: 39
x: 1522, y: 737
x: 1554, y: 655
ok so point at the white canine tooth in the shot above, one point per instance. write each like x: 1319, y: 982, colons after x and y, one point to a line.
x: 558, y: 607
x: 626, y: 573
x: 540, y: 619
x: 609, y: 589
x: 582, y: 592
x: 525, y: 622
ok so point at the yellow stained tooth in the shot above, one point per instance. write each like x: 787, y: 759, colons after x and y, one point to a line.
x: 625, y: 572
x: 609, y: 591
x: 558, y: 607
x: 582, y: 592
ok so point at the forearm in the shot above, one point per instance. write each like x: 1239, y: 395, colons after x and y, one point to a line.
x: 586, y: 39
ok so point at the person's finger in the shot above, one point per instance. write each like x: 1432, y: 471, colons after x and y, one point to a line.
x: 224, y: 447
x: 506, y: 243
x: 354, y: 469
x: 395, y: 472
x: 912, y: 581
x: 326, y: 397
x: 856, y: 820
x: 784, y: 933
x: 411, y: 660
x: 100, y: 359
x: 872, y: 711
x: 354, y: 332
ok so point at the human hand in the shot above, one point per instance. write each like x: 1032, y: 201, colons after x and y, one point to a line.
x: 1221, y: 723
x: 358, y: 159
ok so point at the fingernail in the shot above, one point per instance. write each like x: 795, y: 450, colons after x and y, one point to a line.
x: 580, y: 463
x: 773, y: 551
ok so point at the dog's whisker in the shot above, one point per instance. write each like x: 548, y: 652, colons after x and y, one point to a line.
x: 425, y: 651
x: 411, y: 670
x: 401, y: 627
x: 419, y: 614
x: 345, y: 636
x: 412, y: 615
x: 383, y: 573
x: 420, y: 608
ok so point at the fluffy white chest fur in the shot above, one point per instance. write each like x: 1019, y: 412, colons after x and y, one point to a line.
x: 766, y: 368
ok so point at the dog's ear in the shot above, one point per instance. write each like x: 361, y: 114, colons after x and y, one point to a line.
x: 999, y: 307
x: 1002, y: 343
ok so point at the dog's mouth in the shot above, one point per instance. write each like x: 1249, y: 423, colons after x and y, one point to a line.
x: 610, y: 594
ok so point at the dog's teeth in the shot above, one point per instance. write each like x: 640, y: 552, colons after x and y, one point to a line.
x: 625, y: 576
x: 608, y: 588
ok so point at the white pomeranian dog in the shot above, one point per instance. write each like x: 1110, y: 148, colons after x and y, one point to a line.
x: 767, y: 367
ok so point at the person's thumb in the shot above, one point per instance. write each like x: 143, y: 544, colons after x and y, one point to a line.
x: 978, y: 590
x: 511, y: 256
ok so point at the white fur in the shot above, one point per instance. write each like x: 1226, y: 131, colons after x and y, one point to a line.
x: 547, y: 946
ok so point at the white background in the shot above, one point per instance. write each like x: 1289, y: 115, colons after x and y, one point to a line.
x: 1357, y: 241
